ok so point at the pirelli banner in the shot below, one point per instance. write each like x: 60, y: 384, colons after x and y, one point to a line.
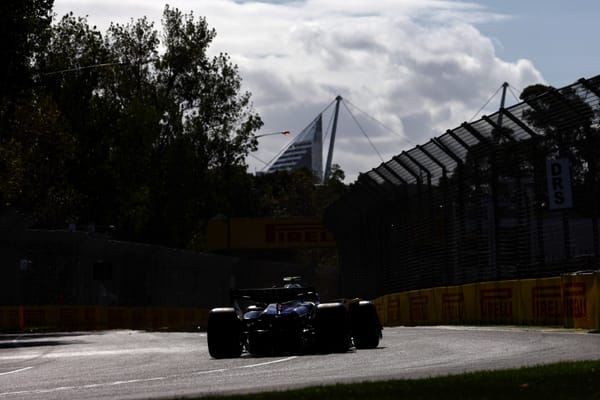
x: 267, y: 233
x: 571, y: 301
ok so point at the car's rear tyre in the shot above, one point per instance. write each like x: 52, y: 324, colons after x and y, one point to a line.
x: 331, y: 327
x: 366, y: 328
x: 224, y: 333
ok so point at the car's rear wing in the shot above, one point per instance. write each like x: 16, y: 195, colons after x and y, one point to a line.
x: 274, y: 295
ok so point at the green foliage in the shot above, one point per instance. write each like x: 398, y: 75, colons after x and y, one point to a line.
x: 34, y: 163
x: 286, y: 194
x: 23, y: 27
x: 128, y: 129
x: 568, y: 124
x: 296, y: 193
x: 570, y: 130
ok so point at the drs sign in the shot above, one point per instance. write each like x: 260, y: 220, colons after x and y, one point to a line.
x: 559, y: 184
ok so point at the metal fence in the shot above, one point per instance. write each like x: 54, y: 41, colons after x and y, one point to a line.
x: 480, y: 202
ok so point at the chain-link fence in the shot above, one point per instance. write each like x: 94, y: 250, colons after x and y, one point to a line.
x: 512, y: 195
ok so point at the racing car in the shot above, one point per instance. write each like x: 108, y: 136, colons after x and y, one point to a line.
x: 290, y: 320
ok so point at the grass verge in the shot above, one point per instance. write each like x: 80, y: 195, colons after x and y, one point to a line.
x: 569, y: 380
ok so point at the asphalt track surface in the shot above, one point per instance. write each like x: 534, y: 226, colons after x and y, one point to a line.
x: 132, y: 364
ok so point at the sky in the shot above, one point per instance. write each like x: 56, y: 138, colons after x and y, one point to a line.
x: 408, y: 70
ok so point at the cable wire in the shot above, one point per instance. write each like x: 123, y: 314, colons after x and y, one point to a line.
x: 102, y: 65
x: 486, y: 103
x: 363, y: 131
x: 402, y: 137
x: 256, y: 158
x: 514, y: 95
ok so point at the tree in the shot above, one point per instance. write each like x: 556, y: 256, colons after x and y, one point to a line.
x: 205, y: 131
x: 136, y: 127
x: 70, y: 77
x: 35, y: 144
x: 24, y: 28
x: 34, y: 163
x: 569, y: 126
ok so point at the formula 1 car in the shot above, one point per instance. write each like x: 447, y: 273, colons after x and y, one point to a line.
x: 290, y: 320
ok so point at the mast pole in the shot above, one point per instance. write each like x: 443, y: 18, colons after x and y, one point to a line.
x: 338, y: 99
x: 502, y: 100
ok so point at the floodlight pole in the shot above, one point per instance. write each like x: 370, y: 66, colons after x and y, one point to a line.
x: 273, y: 133
x: 338, y: 99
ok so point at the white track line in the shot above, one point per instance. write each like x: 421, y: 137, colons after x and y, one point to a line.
x: 15, y: 371
x: 116, y: 383
x: 267, y: 363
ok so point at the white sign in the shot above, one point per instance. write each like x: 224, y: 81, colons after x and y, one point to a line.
x: 559, y: 184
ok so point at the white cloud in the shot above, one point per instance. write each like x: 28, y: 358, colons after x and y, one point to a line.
x: 418, y: 66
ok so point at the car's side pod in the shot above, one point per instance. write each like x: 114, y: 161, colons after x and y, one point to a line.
x: 366, y: 328
x: 224, y: 333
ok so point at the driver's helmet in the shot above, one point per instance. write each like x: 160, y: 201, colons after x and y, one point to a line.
x: 292, y: 282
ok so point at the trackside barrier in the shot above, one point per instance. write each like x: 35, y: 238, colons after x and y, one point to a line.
x: 572, y: 301
x: 24, y: 318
